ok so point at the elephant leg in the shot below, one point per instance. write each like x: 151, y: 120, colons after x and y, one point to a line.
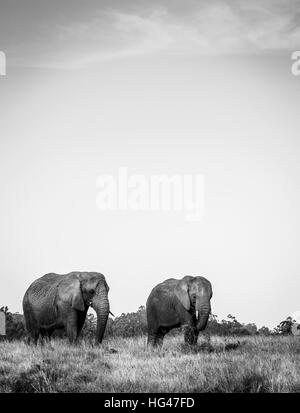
x: 159, y: 338
x: 72, y: 327
x: 156, y: 338
x: 190, y: 335
x: 151, y: 339
x: 46, y: 335
x: 31, y: 327
x: 195, y: 337
x: 81, y: 316
x: 33, y: 338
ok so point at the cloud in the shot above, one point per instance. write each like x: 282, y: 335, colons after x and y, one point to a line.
x: 216, y: 27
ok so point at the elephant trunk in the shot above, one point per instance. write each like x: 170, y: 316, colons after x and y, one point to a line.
x: 100, y: 304
x: 202, y: 311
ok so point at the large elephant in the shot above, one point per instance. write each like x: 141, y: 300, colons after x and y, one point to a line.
x: 175, y: 303
x: 61, y: 301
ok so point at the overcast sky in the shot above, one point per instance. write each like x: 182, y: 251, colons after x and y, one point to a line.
x: 160, y: 87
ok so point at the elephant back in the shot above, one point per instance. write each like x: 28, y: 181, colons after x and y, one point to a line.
x: 41, y: 294
x: 166, y: 285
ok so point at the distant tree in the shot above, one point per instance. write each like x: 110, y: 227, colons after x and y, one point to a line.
x: 284, y: 327
x: 264, y: 331
x: 214, y: 326
x: 15, y: 328
x: 135, y: 324
x: 130, y: 324
x: 230, y: 326
x: 252, y: 328
x: 126, y: 325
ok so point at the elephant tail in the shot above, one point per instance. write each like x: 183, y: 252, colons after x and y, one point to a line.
x: 31, y: 324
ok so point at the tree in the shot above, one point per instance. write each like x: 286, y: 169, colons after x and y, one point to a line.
x: 264, y: 331
x: 284, y: 327
x: 15, y: 328
x: 130, y: 324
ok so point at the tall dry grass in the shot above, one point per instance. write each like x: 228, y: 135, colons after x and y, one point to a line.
x: 252, y: 364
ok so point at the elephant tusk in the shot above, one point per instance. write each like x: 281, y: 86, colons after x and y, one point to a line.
x: 197, y: 314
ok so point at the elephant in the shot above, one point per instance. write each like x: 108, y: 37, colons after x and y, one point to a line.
x: 56, y: 301
x: 175, y: 303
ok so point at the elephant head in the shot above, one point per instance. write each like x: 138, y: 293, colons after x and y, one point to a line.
x: 83, y: 289
x: 195, y: 293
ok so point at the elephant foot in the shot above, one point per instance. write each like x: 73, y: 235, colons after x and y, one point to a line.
x: 155, y: 340
x: 190, y: 337
x: 32, y: 340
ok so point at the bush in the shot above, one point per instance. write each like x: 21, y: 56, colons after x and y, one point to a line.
x: 130, y: 324
x: 285, y: 327
x: 264, y: 331
x: 15, y: 328
x: 135, y: 324
x: 229, y: 327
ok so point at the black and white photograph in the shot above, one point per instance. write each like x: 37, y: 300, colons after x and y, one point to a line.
x: 150, y: 199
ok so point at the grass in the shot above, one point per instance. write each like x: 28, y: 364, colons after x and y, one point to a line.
x: 218, y: 364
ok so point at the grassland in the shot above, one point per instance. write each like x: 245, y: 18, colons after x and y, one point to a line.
x: 251, y: 364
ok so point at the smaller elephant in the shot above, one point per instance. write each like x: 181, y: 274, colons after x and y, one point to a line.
x: 57, y: 301
x: 175, y: 303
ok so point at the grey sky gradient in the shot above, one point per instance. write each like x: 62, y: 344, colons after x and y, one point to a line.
x: 203, y: 88
x: 68, y: 34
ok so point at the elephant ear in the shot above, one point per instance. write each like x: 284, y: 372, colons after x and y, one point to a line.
x: 70, y: 292
x: 181, y: 292
x: 106, y: 285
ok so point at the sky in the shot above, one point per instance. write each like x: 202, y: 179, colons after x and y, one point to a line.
x: 166, y: 87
